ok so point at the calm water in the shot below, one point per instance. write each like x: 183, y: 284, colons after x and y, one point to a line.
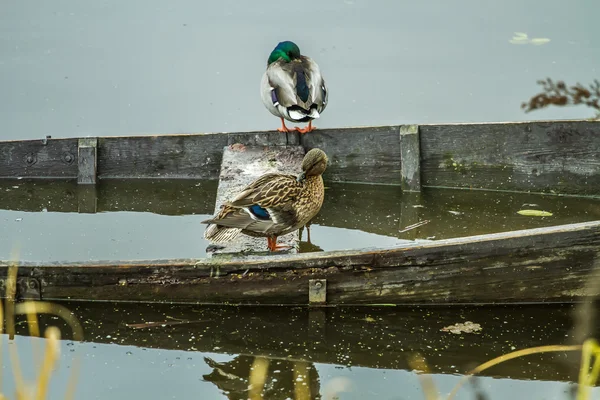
x: 208, y: 353
x: 156, y: 219
x: 72, y: 68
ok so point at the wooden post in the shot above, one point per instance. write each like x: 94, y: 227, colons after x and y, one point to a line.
x: 410, y: 151
x: 246, y: 158
x: 87, y: 159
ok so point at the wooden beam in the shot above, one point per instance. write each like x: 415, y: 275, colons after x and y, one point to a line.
x: 271, y: 138
x: 194, y: 156
x: 46, y: 158
x: 534, y: 265
x: 86, y: 159
x: 242, y: 164
x: 540, y: 156
x: 411, y: 158
x: 360, y: 155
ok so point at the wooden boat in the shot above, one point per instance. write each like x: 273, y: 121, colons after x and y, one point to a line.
x: 549, y: 264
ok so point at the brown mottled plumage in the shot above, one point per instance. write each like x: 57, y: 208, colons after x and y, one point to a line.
x: 273, y: 205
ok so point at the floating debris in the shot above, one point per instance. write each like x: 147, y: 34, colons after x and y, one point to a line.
x: 539, y: 41
x: 462, y: 327
x: 534, y: 213
x: 413, y: 226
x: 522, y: 38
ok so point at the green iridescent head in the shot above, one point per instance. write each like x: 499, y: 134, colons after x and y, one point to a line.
x: 286, y: 50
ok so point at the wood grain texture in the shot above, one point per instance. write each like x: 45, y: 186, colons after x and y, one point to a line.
x: 366, y: 155
x: 555, y: 156
x: 86, y: 161
x: 267, y: 138
x: 541, y: 156
x: 48, y: 158
x: 240, y: 166
x: 535, y: 265
x: 166, y: 156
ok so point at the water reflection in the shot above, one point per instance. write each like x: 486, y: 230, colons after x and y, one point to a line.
x: 128, y: 219
x: 384, y: 337
x: 278, y: 379
x: 302, y: 353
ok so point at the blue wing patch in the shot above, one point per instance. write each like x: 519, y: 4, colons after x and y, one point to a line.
x: 259, y: 212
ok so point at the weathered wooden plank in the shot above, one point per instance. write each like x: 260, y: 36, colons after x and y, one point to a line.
x: 411, y: 158
x: 366, y: 155
x: 534, y: 265
x: 240, y: 166
x: 369, y: 337
x: 46, y: 158
x: 86, y: 161
x: 269, y: 138
x: 161, y: 156
x: 544, y: 156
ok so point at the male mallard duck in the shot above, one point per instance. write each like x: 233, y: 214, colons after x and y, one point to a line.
x: 292, y: 87
x: 273, y: 205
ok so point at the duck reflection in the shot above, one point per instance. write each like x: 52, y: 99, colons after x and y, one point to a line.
x: 249, y: 377
x: 307, y: 246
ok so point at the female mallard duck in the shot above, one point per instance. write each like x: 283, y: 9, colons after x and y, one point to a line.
x: 273, y: 205
x: 292, y: 87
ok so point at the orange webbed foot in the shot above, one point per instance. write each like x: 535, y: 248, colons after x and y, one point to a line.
x: 280, y: 248
x: 309, y: 128
x: 273, y: 246
x: 283, y: 128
